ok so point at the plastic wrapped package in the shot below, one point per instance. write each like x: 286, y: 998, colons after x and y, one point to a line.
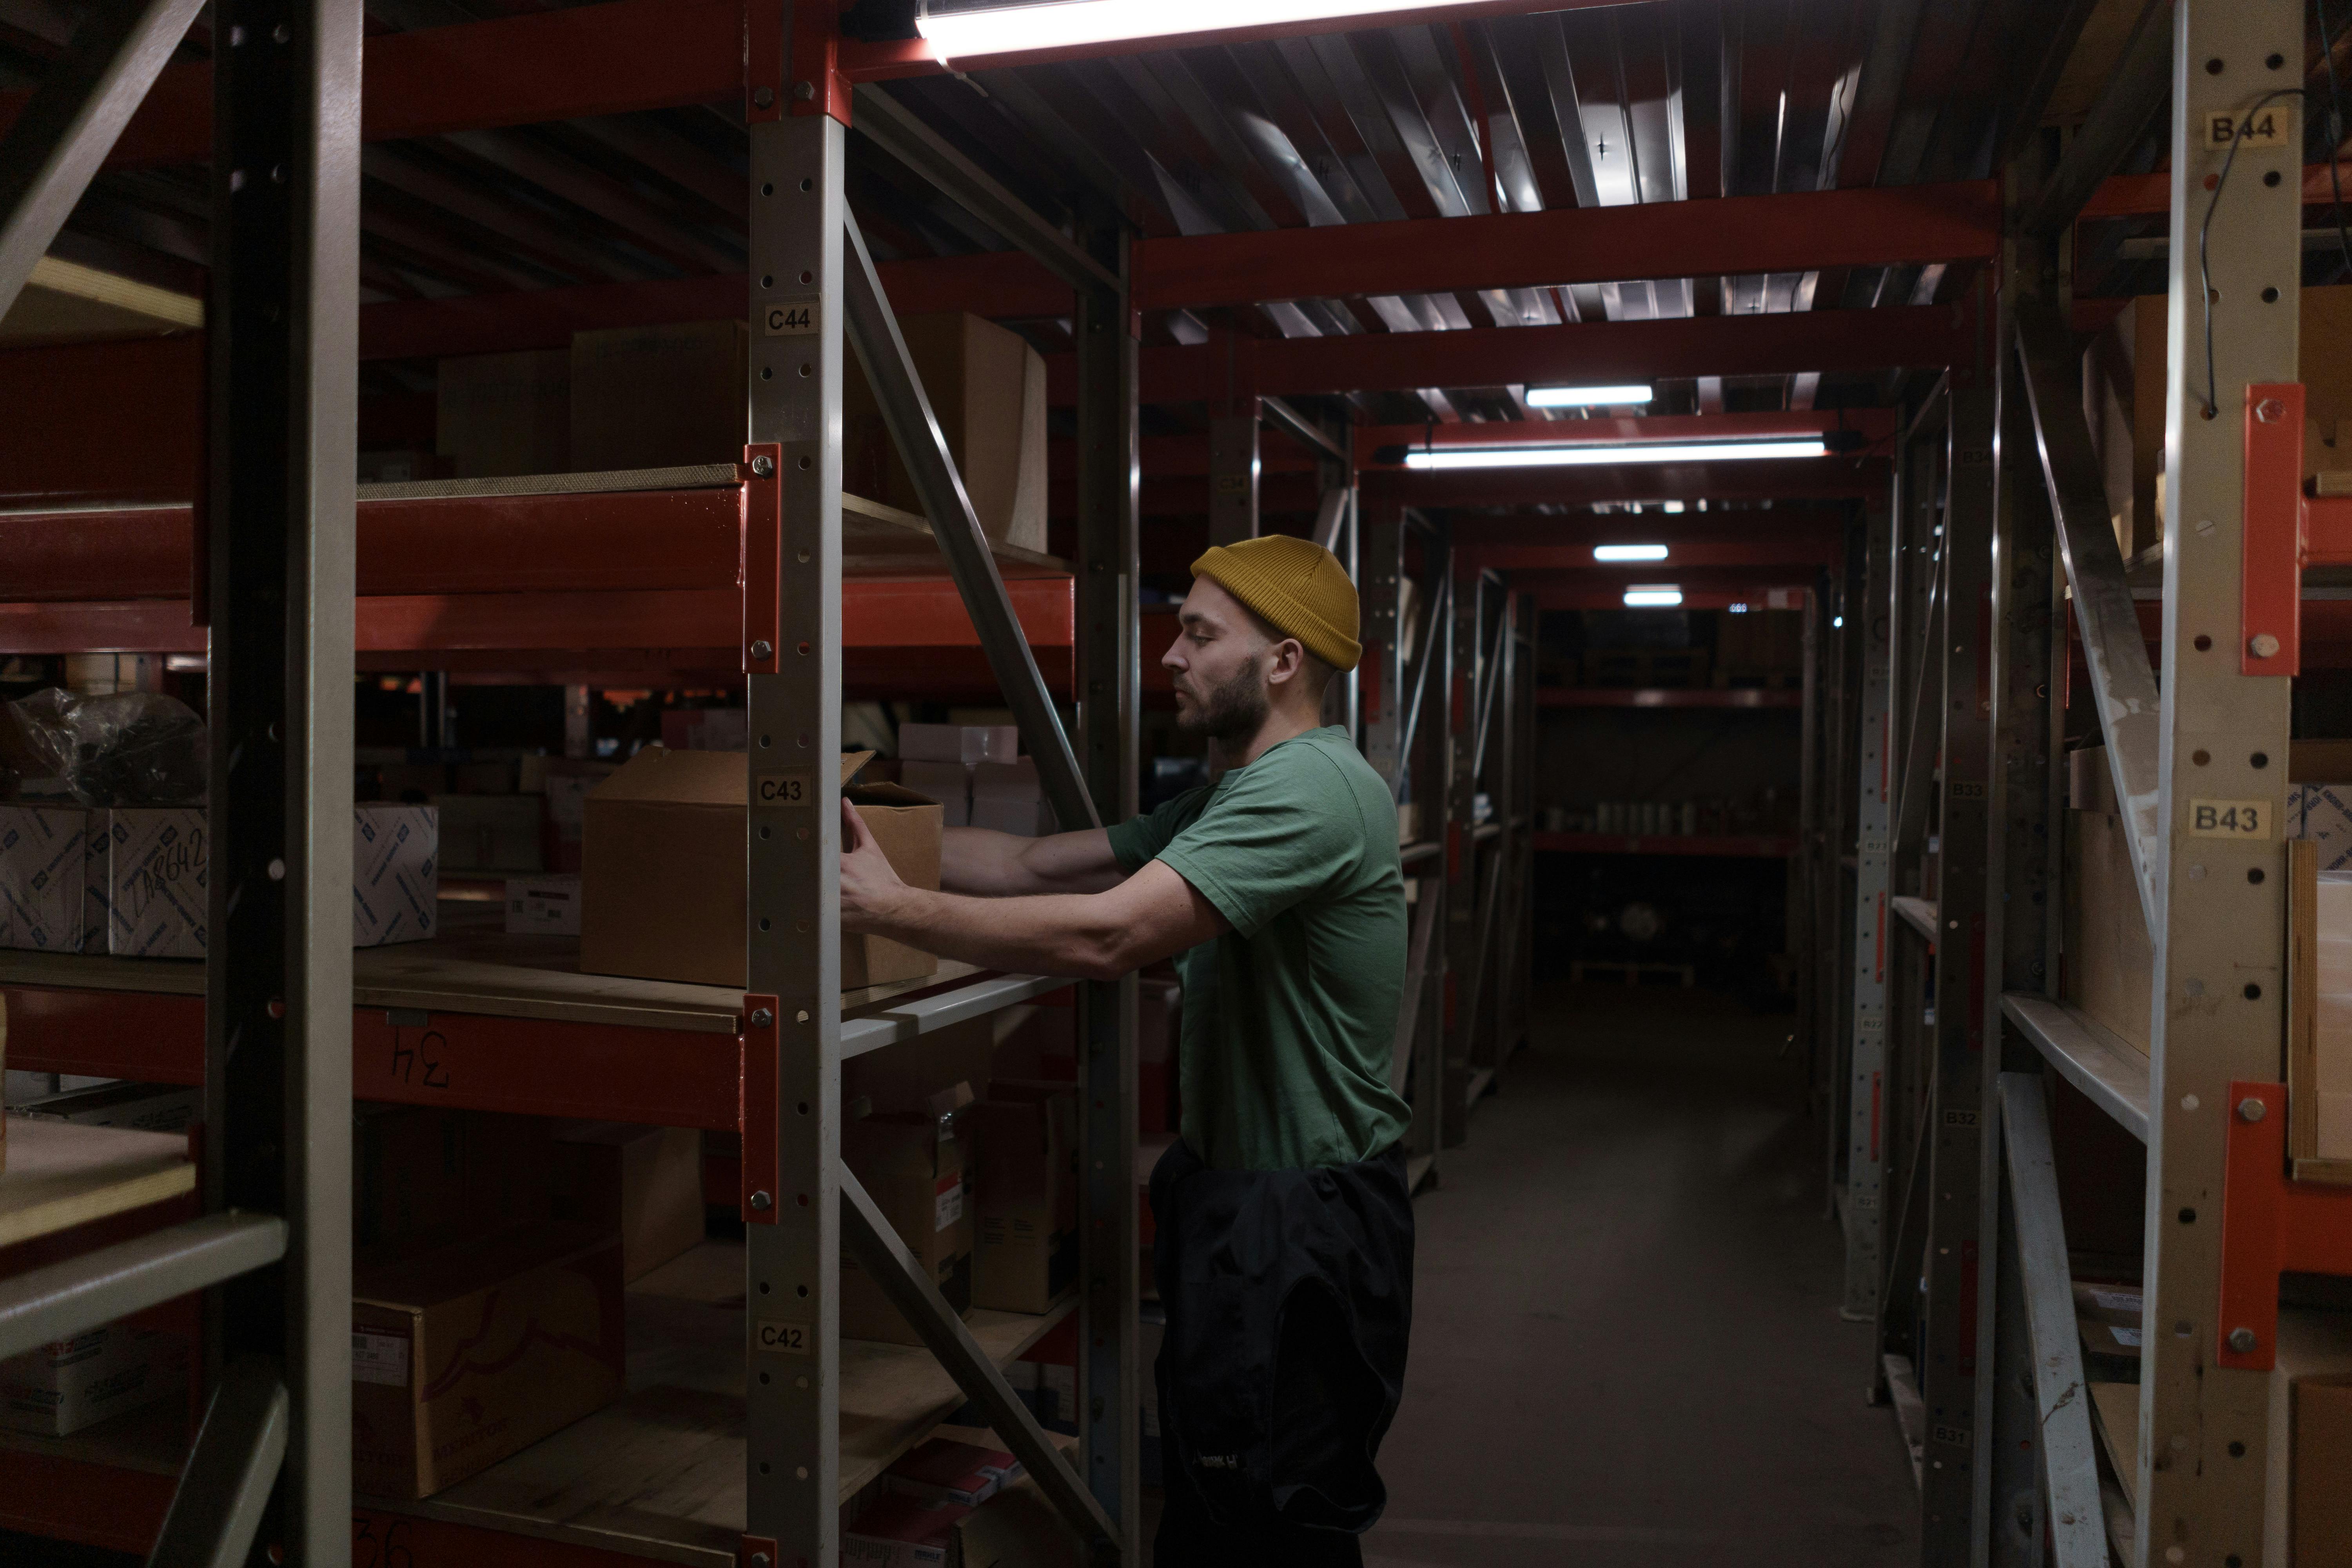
x: 2335, y: 1022
x: 130, y: 748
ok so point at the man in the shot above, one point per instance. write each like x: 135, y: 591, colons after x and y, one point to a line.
x: 1284, y: 1228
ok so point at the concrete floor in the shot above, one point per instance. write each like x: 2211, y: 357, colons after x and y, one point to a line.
x: 1626, y: 1346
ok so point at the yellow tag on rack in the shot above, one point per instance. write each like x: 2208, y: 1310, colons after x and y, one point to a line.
x: 2268, y: 126
x: 783, y: 1339
x: 2248, y: 819
x: 786, y: 787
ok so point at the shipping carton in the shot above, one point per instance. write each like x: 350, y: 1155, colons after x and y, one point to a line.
x: 1025, y: 1191
x: 643, y: 1182
x: 986, y: 388
x: 950, y: 783
x: 2306, y: 1512
x: 421, y: 1173
x: 896, y: 1531
x: 500, y: 414
x: 913, y: 1167
x: 662, y: 878
x: 52, y: 878
x: 62, y: 1387
x: 542, y: 906
x: 490, y: 832
x: 964, y: 743
x: 562, y: 783
x: 943, y: 1473
x: 657, y: 397
x: 466, y: 1354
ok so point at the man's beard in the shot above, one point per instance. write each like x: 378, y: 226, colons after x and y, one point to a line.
x: 1232, y: 712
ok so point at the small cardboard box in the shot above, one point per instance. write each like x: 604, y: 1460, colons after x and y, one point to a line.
x: 1025, y: 1136
x: 542, y: 906
x: 466, y: 1354
x: 498, y: 415
x: 944, y: 1473
x: 913, y: 1167
x: 490, y: 832
x: 2307, y: 1513
x: 986, y: 388
x: 52, y: 878
x: 395, y: 874
x: 965, y: 743
x: 63, y: 1387
x: 643, y: 1182
x: 897, y: 1532
x: 659, y: 397
x: 950, y: 783
x: 662, y: 876
x: 563, y: 783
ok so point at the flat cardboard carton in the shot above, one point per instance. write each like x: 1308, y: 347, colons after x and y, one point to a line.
x: 1025, y: 1190
x: 542, y: 906
x: 965, y: 743
x: 661, y: 876
x: 466, y: 1354
x: 498, y: 415
x: 490, y: 832
x: 63, y: 1387
x: 950, y: 783
x: 913, y: 1167
x: 643, y: 1182
x: 52, y: 878
x: 421, y: 1173
x: 986, y: 388
x: 657, y: 397
x: 897, y: 1531
x: 2306, y: 1512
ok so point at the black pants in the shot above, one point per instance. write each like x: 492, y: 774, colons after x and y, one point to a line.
x: 1289, y: 1298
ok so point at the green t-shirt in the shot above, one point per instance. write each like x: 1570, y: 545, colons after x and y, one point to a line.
x: 1291, y: 1016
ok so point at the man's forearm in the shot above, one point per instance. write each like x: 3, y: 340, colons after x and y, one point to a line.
x: 1052, y: 933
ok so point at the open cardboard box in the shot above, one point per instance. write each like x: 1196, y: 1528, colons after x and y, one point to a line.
x: 662, y: 881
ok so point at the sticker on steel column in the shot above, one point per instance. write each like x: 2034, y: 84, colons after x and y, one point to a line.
x: 2248, y: 819
x: 781, y: 1338
x: 1960, y: 1119
x: 787, y: 787
x: 1962, y: 789
x: 2266, y: 127
x: 1957, y: 1436
x: 795, y: 317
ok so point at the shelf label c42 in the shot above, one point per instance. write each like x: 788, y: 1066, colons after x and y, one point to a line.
x: 782, y: 1338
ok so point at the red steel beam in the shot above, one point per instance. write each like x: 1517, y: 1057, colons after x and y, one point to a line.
x: 1874, y: 424
x: 1797, y: 479
x: 1754, y: 539
x: 2145, y: 196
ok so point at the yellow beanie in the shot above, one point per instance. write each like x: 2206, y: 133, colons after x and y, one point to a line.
x: 1296, y: 586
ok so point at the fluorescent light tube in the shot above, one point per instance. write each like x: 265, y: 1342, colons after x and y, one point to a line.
x: 1653, y: 596
x: 1598, y: 454
x: 1629, y: 552
x: 1011, y: 29
x: 1736, y: 609
x: 1586, y: 397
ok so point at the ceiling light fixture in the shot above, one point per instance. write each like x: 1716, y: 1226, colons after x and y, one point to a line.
x: 1597, y: 453
x: 1653, y: 596
x: 1587, y: 396
x: 1012, y: 29
x: 1629, y: 552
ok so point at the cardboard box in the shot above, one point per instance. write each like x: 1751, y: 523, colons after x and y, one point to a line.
x: 912, y: 1166
x: 657, y: 397
x: 146, y: 1107
x: 960, y: 743
x: 420, y: 1173
x: 896, y: 1531
x: 52, y: 878
x: 395, y: 874
x: 562, y: 783
x: 490, y: 832
x: 1007, y: 798
x: 950, y: 783
x: 466, y: 1354
x: 987, y: 389
x: 542, y: 906
x: 63, y: 1387
x: 643, y: 1182
x: 943, y: 1473
x: 706, y: 729
x: 2307, y: 1513
x: 662, y: 876
x: 1018, y: 1528
x: 497, y: 414
x: 1024, y: 1136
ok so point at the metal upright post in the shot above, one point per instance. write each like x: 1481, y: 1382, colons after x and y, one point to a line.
x: 1863, y: 1211
x: 1954, y: 1491
x: 1453, y: 727
x: 284, y: 377
x: 1110, y: 668
x: 2022, y: 862
x: 2220, y: 925
x: 792, y: 659
x: 1233, y: 473
x: 1379, y: 579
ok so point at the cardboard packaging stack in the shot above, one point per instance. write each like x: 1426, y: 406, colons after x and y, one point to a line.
x: 563, y: 784
x: 144, y: 1106
x: 466, y: 1352
x: 542, y: 906
x: 2307, y: 1513
x: 500, y: 414
x: 490, y: 832
x: 916, y: 1517
x: 913, y: 1165
x: 1007, y: 797
x: 60, y: 1388
x: 1026, y: 1189
x: 646, y: 1183
x: 423, y: 1174
x: 663, y: 885
x: 132, y: 880
x: 938, y: 759
x: 706, y: 729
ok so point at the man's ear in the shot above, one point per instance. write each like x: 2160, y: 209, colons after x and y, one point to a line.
x: 1286, y: 662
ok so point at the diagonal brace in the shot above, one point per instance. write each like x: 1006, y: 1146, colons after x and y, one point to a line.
x: 874, y: 1243
x: 2076, y: 1527
x: 873, y: 332
x: 2122, y: 679
x: 49, y: 155
x: 1434, y: 627
x: 222, y: 1494
x: 1416, y: 975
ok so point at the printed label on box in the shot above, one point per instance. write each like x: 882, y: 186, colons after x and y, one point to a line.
x: 2126, y: 1337
x: 946, y: 1204
x: 379, y: 1358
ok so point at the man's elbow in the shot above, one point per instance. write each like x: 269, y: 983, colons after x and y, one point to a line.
x: 1107, y: 955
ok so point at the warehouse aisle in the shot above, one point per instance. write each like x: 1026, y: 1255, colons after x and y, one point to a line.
x: 1626, y: 1347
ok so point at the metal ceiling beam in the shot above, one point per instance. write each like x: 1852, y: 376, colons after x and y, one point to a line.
x: 70, y: 122
x: 1291, y: 422
x: 1872, y: 424
x: 2139, y: 89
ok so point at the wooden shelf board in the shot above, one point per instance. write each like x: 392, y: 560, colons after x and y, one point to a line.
x: 1919, y: 914
x: 60, y: 1175
x: 661, y: 1473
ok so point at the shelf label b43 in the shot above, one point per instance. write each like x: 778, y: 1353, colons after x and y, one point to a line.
x: 2248, y: 819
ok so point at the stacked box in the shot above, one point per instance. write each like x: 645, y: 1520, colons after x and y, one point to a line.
x: 157, y: 874
x: 63, y: 1387
x: 52, y: 878
x: 395, y: 874
x: 542, y: 906
x: 1025, y: 1191
x: 1007, y: 797
x: 914, y: 1168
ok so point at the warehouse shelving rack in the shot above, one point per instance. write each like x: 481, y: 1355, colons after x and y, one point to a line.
x: 1969, y: 1278
x: 750, y: 567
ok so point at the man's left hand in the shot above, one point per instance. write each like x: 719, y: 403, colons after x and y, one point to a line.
x: 870, y: 889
